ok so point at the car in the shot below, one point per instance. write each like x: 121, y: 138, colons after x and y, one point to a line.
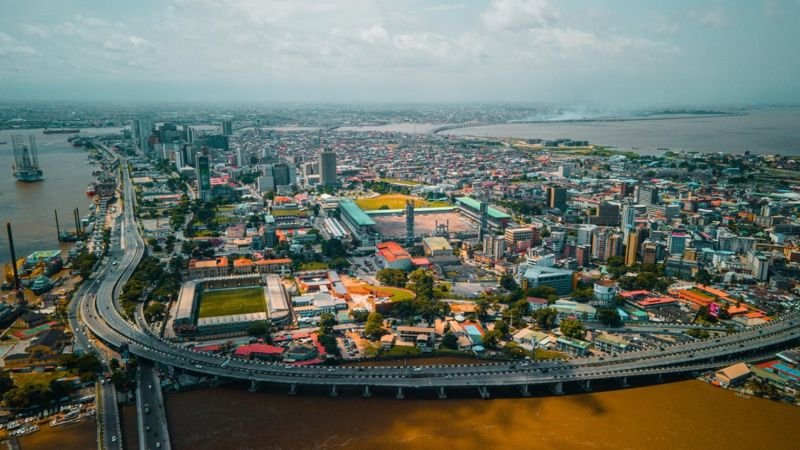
x: 114, y: 438
x: 417, y: 369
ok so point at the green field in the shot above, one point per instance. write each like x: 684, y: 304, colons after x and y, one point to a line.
x: 395, y: 201
x: 227, y: 302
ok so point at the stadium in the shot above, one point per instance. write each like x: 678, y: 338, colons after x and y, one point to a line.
x: 222, y: 307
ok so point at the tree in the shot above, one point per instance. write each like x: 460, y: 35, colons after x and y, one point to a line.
x: 392, y: 277
x: 702, y: 277
x: 333, y: 248
x: 698, y: 333
x: 547, y: 292
x: 583, y: 295
x: 573, y: 328
x: 545, y: 318
x: 422, y: 284
x: 609, y: 316
x: 326, y: 323
x: 6, y: 383
x: 339, y: 263
x: 257, y: 329
x: 492, y: 338
x: 154, y: 311
x: 449, y: 340
x: 374, y: 326
x: 508, y: 282
x: 502, y: 327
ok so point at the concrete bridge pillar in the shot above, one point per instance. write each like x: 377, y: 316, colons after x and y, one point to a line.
x: 557, y: 388
x: 367, y: 392
x: 586, y: 385
x: 660, y: 378
x: 442, y: 393
x: 254, y: 385
x: 483, y: 392
x: 293, y: 389
x: 525, y: 390
x: 400, y: 395
x: 334, y: 392
x: 624, y: 382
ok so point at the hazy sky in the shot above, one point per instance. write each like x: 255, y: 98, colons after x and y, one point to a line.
x: 610, y: 52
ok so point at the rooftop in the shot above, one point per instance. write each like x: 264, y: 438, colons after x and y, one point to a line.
x: 474, y: 204
x: 356, y: 214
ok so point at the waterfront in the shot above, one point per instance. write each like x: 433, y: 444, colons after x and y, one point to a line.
x: 77, y: 436
x: 688, y: 414
x: 29, y: 206
x: 767, y: 130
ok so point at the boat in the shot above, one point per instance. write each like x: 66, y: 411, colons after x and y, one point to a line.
x: 91, y: 190
x: 26, y: 160
x: 61, y: 131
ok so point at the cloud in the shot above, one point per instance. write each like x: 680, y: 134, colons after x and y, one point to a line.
x: 665, y: 26
x: 374, y: 34
x: 568, y: 42
x: 11, y: 47
x: 714, y: 17
x: 39, y: 31
x: 445, y: 7
x: 516, y: 15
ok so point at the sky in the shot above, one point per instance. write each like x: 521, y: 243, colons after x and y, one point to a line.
x: 610, y: 53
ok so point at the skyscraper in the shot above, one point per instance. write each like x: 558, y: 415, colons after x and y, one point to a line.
x: 227, y: 128
x: 280, y: 172
x: 142, y: 129
x: 327, y: 167
x: 631, y: 248
x: 203, y: 177
x: 647, y: 195
x: 628, y: 219
x: 557, y: 197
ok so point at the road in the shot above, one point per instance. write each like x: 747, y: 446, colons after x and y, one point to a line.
x: 150, y: 413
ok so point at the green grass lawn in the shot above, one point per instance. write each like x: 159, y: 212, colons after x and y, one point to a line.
x: 396, y: 201
x: 398, y: 181
x: 226, y: 302
x: 397, y: 294
x: 314, y: 266
x: 40, y: 378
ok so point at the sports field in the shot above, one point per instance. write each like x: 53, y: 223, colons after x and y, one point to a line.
x: 395, y: 201
x: 227, y: 302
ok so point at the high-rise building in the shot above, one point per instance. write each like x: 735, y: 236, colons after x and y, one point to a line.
x: 628, y: 219
x: 227, y: 128
x: 280, y: 172
x: 409, y: 223
x: 557, y: 197
x: 647, y: 195
x: 585, y: 233
x: 518, y: 238
x: 494, y: 246
x: 242, y: 160
x: 583, y: 255
x: 677, y: 242
x: 631, y: 248
x: 142, y: 129
x: 203, y: 177
x: 607, y: 215
x: 327, y: 167
x: 651, y: 252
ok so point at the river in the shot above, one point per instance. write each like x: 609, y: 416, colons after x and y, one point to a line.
x: 765, y: 130
x: 29, y: 206
x: 681, y: 415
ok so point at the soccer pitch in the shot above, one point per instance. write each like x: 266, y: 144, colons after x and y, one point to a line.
x: 227, y: 302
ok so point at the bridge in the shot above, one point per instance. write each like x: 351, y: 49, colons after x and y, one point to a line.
x: 102, y: 316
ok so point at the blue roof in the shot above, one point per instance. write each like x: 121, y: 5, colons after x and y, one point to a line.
x: 355, y: 213
x: 476, y: 205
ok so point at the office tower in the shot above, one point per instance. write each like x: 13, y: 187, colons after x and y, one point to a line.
x: 409, y: 223
x: 631, y: 248
x: 203, y: 177
x: 557, y: 239
x: 519, y: 238
x: 628, y: 219
x: 189, y: 132
x: 583, y: 255
x: 599, y: 243
x: 651, y: 253
x: 280, y: 172
x: 677, y: 242
x: 242, y: 159
x: 142, y: 129
x: 327, y: 167
x: 227, y: 128
x: 494, y: 246
x: 607, y: 215
x: 557, y: 197
x: 647, y: 195
x: 585, y: 233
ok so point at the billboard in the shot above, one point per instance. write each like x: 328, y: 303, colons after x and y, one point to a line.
x: 713, y: 309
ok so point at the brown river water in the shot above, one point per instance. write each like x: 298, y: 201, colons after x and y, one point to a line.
x: 679, y: 415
